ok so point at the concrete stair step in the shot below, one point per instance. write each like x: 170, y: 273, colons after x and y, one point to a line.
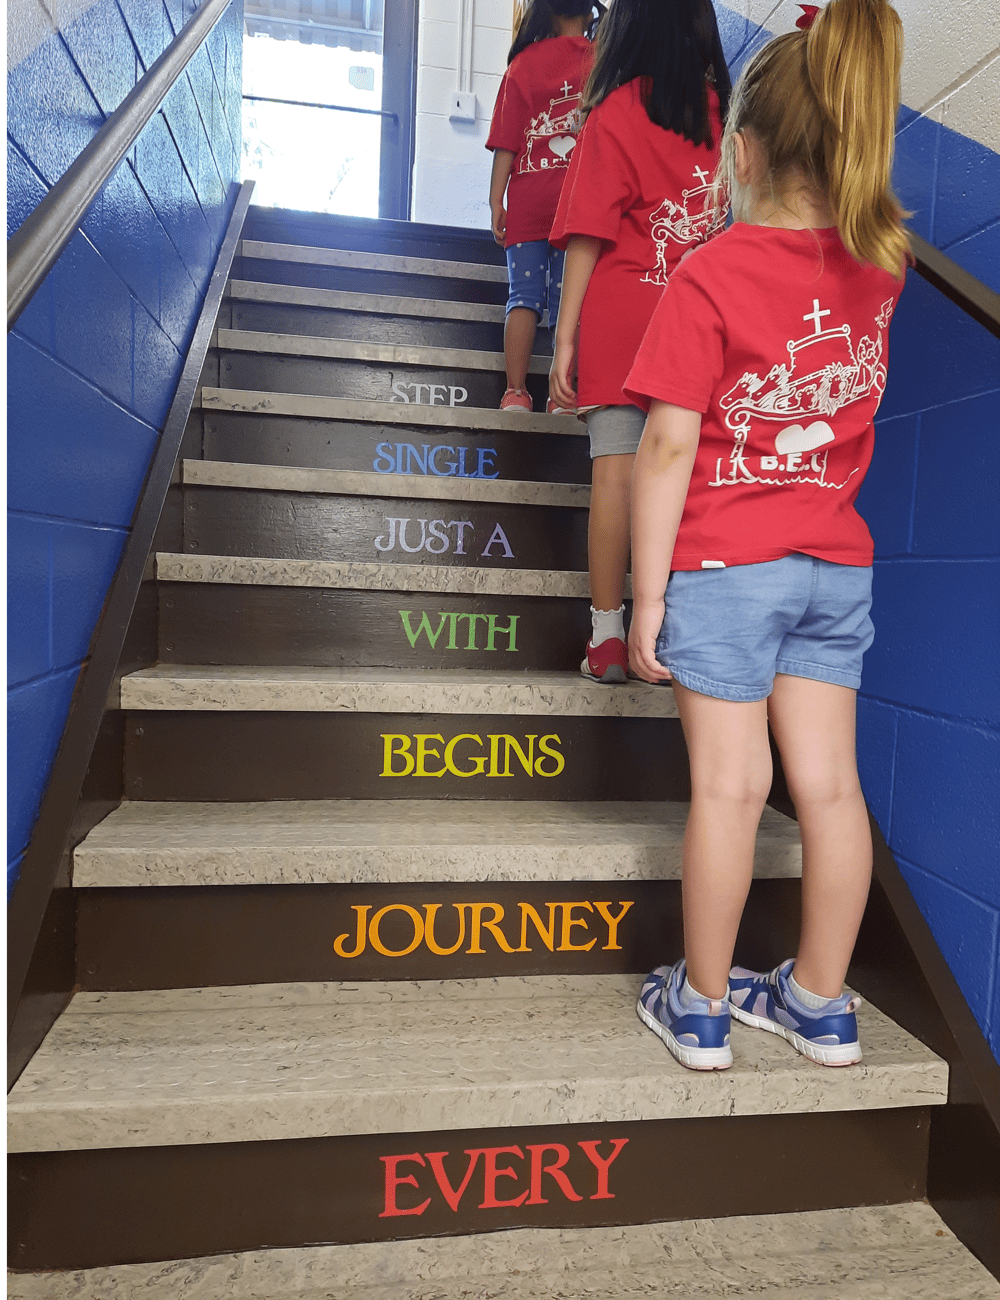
x: 434, y: 418
x: 369, y: 576
x: 399, y: 841
x: 267, y: 1063
x: 893, y: 1252
x: 293, y: 295
x: 372, y: 317
x: 361, y: 261
x: 332, y: 516
x: 376, y: 371
x: 286, y: 478
x: 201, y: 688
x: 391, y: 354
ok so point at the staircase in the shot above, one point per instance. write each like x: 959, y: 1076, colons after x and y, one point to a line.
x: 359, y: 953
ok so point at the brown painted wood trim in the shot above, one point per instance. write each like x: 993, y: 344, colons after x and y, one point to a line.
x: 198, y: 936
x: 185, y: 1201
x: 192, y: 756
x: 960, y: 286
x: 52, y: 830
x: 899, y: 966
x: 963, y: 1043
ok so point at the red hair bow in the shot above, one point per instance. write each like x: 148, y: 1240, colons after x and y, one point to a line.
x: 807, y: 17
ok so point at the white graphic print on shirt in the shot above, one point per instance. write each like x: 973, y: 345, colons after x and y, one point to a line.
x: 551, y: 136
x: 824, y: 373
x: 676, y: 221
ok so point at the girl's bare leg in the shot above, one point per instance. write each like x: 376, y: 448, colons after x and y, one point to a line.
x: 814, y: 727
x: 518, y: 341
x: 730, y: 781
x: 608, y: 536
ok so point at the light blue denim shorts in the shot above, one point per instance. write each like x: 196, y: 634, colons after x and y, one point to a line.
x: 727, y: 632
x: 535, y: 273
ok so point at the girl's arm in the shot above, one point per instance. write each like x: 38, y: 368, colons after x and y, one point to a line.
x: 582, y: 252
x: 660, y: 481
x: 503, y: 162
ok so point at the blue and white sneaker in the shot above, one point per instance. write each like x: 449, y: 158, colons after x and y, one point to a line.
x: 828, y: 1035
x: 697, y: 1035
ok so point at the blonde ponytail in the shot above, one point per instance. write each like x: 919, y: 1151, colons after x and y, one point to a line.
x: 823, y: 103
x: 854, y: 51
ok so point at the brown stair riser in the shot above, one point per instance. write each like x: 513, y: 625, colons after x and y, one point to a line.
x: 210, y: 623
x: 195, y: 755
x: 83, y: 1209
x: 374, y: 327
x: 390, y: 449
x: 397, y: 283
x: 394, y: 530
x: 374, y: 381
x: 206, y: 936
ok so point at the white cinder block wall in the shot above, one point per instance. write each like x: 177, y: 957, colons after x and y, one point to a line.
x: 951, y: 65
x: 451, y: 170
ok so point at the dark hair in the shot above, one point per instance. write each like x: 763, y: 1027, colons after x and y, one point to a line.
x: 538, y: 21
x: 675, y: 45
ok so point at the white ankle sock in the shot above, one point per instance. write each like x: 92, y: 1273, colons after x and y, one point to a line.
x: 812, y: 1000
x: 607, y: 623
x: 687, y: 993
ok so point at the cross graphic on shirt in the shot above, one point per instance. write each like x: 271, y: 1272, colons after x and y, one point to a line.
x: 816, y: 314
x: 566, y: 88
x: 701, y: 174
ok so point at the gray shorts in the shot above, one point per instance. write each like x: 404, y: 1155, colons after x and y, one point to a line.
x: 615, y: 430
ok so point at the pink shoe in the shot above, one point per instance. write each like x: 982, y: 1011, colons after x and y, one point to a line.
x: 607, y: 663
x: 516, y: 399
x: 553, y: 408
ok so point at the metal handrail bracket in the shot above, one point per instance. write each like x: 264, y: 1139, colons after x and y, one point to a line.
x: 33, y: 250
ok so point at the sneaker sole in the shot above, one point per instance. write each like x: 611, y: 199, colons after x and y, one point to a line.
x: 695, y: 1058
x: 522, y: 410
x: 613, y: 676
x: 846, y: 1054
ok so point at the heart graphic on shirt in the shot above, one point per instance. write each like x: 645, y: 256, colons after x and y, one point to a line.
x: 795, y: 438
x: 562, y: 145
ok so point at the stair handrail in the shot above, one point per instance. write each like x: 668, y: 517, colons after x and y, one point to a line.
x: 956, y: 283
x: 35, y: 247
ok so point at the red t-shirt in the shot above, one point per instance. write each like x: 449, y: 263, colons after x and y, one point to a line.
x: 643, y: 190
x: 537, y: 117
x: 780, y: 339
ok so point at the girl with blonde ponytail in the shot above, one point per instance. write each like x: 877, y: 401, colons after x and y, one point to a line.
x: 762, y: 369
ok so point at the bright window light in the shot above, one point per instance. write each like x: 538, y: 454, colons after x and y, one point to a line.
x: 311, y: 159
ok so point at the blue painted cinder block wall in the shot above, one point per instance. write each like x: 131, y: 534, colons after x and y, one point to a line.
x: 929, y: 712
x: 929, y: 707
x: 94, y: 360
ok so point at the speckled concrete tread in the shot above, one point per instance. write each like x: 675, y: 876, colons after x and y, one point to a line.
x: 361, y: 261
x: 271, y: 1062
x: 379, y: 303
x: 390, y: 690
x: 396, y: 354
x: 896, y: 1252
x: 373, y: 575
x: 250, y: 401
x: 331, y: 841
x: 336, y: 482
